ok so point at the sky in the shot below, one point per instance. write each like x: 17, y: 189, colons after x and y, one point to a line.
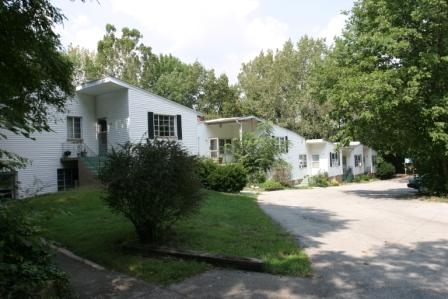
x: 220, y: 34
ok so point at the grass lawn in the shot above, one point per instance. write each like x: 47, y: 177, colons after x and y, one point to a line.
x: 229, y: 224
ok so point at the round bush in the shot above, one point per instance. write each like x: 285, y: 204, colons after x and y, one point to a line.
x: 385, y: 170
x: 153, y: 184
x: 204, y: 168
x: 271, y: 185
x: 227, y: 178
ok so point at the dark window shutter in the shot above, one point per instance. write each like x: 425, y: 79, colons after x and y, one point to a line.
x: 331, y: 161
x: 150, y: 125
x: 286, y: 144
x: 179, y: 127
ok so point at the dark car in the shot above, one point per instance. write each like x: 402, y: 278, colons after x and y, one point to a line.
x: 419, y: 182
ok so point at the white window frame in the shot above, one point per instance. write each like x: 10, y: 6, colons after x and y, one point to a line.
x: 315, y: 163
x: 303, y: 161
x: 169, y: 125
x: 72, y: 135
x: 219, y: 148
x: 358, y: 160
x: 282, y: 144
x: 335, y: 160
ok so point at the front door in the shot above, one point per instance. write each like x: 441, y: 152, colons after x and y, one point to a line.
x: 102, y: 136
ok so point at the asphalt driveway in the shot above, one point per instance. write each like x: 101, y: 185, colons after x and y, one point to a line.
x: 369, y: 240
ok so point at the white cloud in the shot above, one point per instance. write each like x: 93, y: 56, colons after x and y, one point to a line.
x: 333, y: 29
x: 221, y: 33
x: 80, y: 31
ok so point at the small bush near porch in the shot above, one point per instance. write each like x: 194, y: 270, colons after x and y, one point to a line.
x: 226, y: 223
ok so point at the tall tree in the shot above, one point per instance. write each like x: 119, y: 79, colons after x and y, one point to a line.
x: 387, y: 80
x: 36, y: 75
x: 125, y: 57
x: 84, y: 63
x: 275, y: 85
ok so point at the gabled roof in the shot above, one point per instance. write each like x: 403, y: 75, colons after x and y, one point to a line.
x: 110, y: 84
x: 232, y: 119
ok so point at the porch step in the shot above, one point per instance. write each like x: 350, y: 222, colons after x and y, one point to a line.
x: 94, y: 163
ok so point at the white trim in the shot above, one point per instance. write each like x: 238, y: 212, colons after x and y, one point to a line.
x: 109, y: 79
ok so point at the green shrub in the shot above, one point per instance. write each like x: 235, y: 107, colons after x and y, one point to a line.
x: 153, y: 184
x: 204, y: 168
x: 26, y: 268
x: 334, y: 183
x: 361, y: 178
x: 385, y: 170
x: 320, y: 180
x: 271, y: 185
x: 227, y: 178
x: 281, y: 173
x: 257, y: 177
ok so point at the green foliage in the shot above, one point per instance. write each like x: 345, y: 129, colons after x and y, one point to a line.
x: 257, y: 152
x: 320, y: 180
x: 124, y: 56
x: 385, y: 170
x: 36, y: 75
x: 334, y: 183
x: 271, y: 185
x: 25, y: 260
x: 387, y: 81
x: 281, y: 172
x: 275, y: 86
x: 226, y: 223
x: 361, y: 178
x: 222, y: 177
x: 153, y: 184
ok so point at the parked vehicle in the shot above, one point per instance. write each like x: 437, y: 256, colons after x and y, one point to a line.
x: 419, y: 182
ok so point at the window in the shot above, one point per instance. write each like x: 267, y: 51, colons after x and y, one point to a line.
x: 315, y: 161
x: 282, y: 143
x: 358, y: 159
x: 302, y: 161
x: 335, y: 160
x: 214, y: 148
x: 67, y: 178
x: 219, y: 148
x: 165, y: 126
x: 224, y: 146
x: 374, y: 160
x: 73, y: 128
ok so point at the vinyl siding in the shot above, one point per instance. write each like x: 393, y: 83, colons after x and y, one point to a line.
x: 44, y: 153
x: 114, y: 107
x: 296, y: 147
x: 140, y: 103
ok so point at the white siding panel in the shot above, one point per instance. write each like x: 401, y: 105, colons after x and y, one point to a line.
x: 296, y: 147
x: 140, y: 103
x: 334, y: 170
x: 84, y: 106
x: 357, y: 150
x: 114, y: 107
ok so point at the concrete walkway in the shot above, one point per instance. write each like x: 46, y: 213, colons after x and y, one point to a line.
x: 91, y: 281
x: 365, y: 241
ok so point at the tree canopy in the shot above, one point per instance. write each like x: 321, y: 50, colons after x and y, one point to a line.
x: 387, y: 81
x: 124, y: 56
x: 275, y: 86
x: 36, y: 75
